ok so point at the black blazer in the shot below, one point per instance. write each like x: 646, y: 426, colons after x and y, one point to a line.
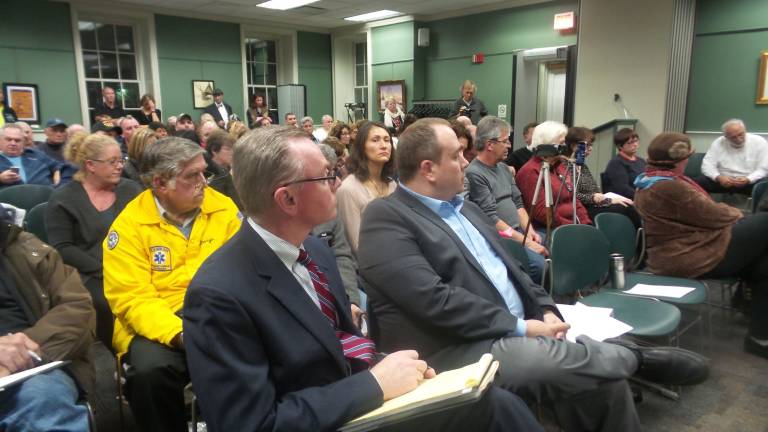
x: 261, y: 354
x: 427, y: 292
x: 212, y: 110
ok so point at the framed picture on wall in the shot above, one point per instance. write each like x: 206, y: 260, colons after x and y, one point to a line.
x: 24, y: 99
x: 762, y: 80
x: 387, y: 89
x: 202, y: 93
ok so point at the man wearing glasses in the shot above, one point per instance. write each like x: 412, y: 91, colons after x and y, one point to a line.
x: 151, y: 252
x: 492, y: 187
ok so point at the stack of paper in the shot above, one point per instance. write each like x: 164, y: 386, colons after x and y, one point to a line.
x: 595, y: 322
x: 659, y: 290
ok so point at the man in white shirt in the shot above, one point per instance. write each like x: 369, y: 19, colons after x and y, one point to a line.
x: 736, y: 160
x: 219, y: 109
x: 322, y: 133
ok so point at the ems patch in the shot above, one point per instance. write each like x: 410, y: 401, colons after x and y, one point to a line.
x: 160, y: 257
x: 112, y: 239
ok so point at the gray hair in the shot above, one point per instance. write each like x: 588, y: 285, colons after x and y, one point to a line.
x: 307, y: 119
x: 548, y: 132
x: 489, y: 128
x: 327, y: 116
x: 167, y: 158
x: 23, y: 125
x: 11, y: 126
x: 733, y: 121
x: 329, y: 153
x: 263, y: 161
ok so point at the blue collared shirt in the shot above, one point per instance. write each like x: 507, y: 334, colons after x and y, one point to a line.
x: 492, y: 265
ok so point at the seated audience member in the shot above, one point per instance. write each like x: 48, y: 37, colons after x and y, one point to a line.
x: 440, y: 281
x: 160, y: 130
x: 550, y: 132
x: 466, y: 140
x: 341, y: 157
x: 236, y: 129
x: 108, y: 106
x: 45, y: 312
x: 172, y: 122
x: 136, y: 147
x: 258, y: 113
x: 53, y: 146
x: 342, y: 132
x: 21, y: 165
x: 79, y: 214
x: 290, y: 119
x: 322, y: 132
x: 219, y: 149
x: 308, y: 125
x: 493, y: 189
x: 393, y: 114
x: 129, y: 126
x: 205, y: 130
x: 587, y: 190
x: 371, y: 165
x: 75, y: 128
x: 735, y: 161
x: 519, y: 157
x: 270, y: 340
x: 103, y: 127
x: 151, y: 252
x: 689, y: 235
x: 623, y: 169
x: 149, y: 112
x: 29, y: 137
x: 355, y: 127
x: 183, y: 123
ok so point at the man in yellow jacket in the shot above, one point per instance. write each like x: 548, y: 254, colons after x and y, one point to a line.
x: 151, y: 253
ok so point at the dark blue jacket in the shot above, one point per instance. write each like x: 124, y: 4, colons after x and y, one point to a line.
x: 38, y: 167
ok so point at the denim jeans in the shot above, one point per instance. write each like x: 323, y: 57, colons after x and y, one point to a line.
x: 42, y: 403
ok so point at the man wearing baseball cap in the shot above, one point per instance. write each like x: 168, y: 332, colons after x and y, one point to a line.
x: 183, y: 122
x: 107, y: 127
x: 55, y: 137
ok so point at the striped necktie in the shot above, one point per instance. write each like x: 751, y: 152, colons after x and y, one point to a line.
x: 354, y: 347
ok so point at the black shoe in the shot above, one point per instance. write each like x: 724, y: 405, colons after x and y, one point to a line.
x: 667, y: 365
x: 754, y: 347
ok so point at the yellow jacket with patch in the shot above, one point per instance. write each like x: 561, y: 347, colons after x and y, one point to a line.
x: 148, y: 264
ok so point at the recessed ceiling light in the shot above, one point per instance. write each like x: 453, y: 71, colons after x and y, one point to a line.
x: 372, y: 16
x: 285, y: 4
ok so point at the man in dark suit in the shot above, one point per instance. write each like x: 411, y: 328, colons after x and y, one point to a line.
x: 267, y: 326
x: 219, y: 109
x: 458, y: 294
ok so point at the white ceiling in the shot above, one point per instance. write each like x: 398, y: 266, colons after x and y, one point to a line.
x: 324, y: 14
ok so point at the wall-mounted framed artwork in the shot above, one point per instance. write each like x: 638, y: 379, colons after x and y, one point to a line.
x: 395, y: 89
x: 762, y: 80
x: 202, y: 93
x: 24, y: 99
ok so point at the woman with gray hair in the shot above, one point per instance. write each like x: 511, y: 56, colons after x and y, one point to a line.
x: 552, y: 135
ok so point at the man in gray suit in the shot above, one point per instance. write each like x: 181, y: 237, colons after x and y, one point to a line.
x: 457, y: 294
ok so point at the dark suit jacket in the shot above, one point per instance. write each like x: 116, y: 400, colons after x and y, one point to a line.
x: 261, y: 355
x: 425, y: 289
x: 212, y: 110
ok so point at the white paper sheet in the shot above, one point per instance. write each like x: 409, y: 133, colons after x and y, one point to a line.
x: 659, y: 290
x: 21, y: 376
x: 593, y: 322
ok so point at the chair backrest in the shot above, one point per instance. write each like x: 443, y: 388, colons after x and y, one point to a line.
x: 757, y: 193
x: 518, y: 252
x: 25, y: 196
x: 693, y: 169
x: 34, y: 222
x: 579, y: 255
x: 620, y: 232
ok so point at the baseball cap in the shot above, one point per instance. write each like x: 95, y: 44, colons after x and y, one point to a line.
x: 55, y: 122
x: 217, y: 91
x: 106, y: 126
x: 156, y: 125
x: 182, y: 116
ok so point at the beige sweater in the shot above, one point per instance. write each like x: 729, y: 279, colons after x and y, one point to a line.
x: 352, y: 198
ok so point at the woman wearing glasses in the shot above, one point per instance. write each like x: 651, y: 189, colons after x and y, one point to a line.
x: 623, y: 169
x: 79, y: 214
x: 371, y: 164
x: 587, y: 189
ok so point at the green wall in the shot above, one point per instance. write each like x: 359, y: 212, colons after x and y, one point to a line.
x: 314, y: 55
x: 36, y: 47
x: 393, y: 57
x: 724, y: 69
x: 496, y: 34
x: 191, y: 49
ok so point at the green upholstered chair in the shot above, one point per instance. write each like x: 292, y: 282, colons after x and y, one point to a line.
x: 693, y: 169
x: 34, y: 222
x: 579, y: 256
x: 25, y: 196
x: 757, y: 193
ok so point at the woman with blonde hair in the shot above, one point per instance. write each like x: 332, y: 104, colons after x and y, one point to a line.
x: 80, y: 213
x: 136, y: 146
x: 393, y: 114
x: 236, y: 129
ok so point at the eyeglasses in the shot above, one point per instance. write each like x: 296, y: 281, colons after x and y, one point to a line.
x: 330, y: 178
x: 505, y: 142
x: 114, y: 161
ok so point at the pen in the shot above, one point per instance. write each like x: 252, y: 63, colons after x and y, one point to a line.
x: 35, y: 357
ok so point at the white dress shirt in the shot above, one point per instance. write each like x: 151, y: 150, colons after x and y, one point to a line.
x: 750, y: 160
x: 224, y: 114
